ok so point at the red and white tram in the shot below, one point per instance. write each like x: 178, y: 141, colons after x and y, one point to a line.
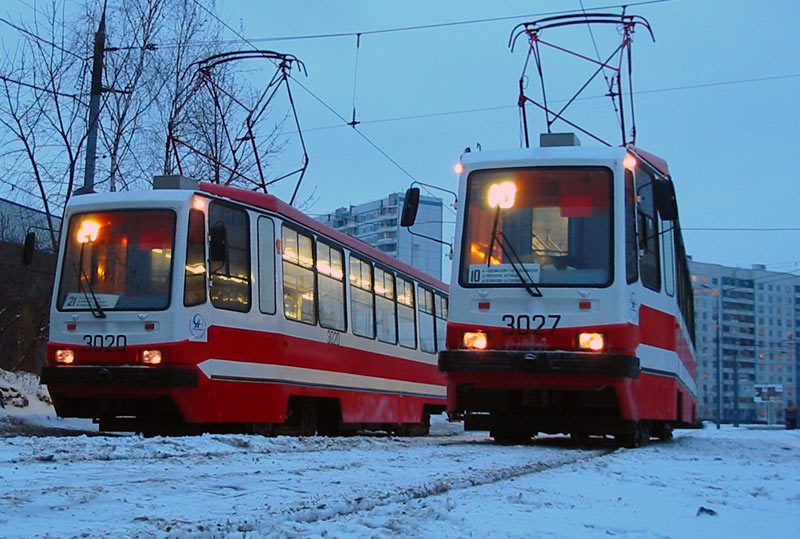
x: 571, y: 303
x: 202, y: 307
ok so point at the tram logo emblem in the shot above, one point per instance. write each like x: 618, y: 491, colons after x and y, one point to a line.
x: 197, y: 326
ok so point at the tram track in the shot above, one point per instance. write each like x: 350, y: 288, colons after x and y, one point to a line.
x: 437, y: 487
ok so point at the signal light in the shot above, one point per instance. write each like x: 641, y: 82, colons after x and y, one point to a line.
x: 88, y: 231
x: 151, y: 357
x: 458, y: 168
x: 475, y: 340
x: 591, y: 341
x: 65, y: 356
x: 502, y: 195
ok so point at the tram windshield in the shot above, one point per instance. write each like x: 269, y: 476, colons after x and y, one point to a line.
x: 117, y: 260
x: 538, y: 227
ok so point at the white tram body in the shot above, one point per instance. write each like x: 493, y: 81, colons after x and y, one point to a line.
x: 205, y: 307
x: 571, y: 303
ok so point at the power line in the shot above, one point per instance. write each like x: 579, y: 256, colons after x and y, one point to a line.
x: 362, y: 135
x: 503, y: 107
x: 39, y: 88
x: 323, y: 103
x: 39, y: 38
x: 432, y: 26
x: 721, y: 83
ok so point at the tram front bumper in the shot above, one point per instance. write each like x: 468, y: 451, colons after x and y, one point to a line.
x: 538, y: 362
x: 119, y: 376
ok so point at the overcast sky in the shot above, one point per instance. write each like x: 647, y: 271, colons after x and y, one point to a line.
x: 717, y: 98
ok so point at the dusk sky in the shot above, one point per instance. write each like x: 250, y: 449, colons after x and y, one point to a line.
x: 717, y: 97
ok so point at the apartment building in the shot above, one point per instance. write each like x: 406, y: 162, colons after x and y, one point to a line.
x: 378, y: 224
x: 746, y: 323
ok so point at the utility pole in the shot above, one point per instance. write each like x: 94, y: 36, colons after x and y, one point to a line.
x: 94, y: 106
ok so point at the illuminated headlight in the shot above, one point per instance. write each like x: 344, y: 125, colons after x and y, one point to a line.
x: 591, y: 341
x: 151, y: 357
x: 65, y: 356
x: 475, y: 340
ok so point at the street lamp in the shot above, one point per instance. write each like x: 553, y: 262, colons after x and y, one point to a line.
x: 715, y: 292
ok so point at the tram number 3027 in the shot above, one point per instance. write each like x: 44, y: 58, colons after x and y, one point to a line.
x: 525, y: 324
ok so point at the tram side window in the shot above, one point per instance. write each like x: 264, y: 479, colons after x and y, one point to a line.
x: 298, y: 276
x: 407, y: 328
x: 230, y: 277
x: 330, y: 280
x: 427, y: 337
x: 668, y: 258
x: 266, y: 265
x: 631, y: 251
x: 362, y: 298
x: 649, y: 263
x: 441, y: 322
x: 385, y: 319
x: 194, y: 290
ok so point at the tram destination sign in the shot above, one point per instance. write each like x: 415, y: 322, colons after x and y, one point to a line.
x: 768, y: 393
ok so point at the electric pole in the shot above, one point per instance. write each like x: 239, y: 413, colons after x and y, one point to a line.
x: 94, y: 106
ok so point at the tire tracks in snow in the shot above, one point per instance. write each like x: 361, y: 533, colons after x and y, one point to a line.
x: 474, y: 478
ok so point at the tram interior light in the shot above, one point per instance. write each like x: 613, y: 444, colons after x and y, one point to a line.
x: 501, y: 195
x: 88, y: 231
x: 475, y: 340
x: 591, y: 341
x: 65, y: 356
x: 151, y: 357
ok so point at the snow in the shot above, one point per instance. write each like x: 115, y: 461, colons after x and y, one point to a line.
x: 733, y: 482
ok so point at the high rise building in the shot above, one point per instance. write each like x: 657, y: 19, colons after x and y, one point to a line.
x: 378, y: 224
x: 747, y: 323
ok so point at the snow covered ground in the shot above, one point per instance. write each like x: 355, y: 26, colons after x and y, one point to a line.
x: 732, y: 482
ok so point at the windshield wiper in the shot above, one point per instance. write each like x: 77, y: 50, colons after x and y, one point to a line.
x: 97, y: 310
x: 511, y: 255
x: 517, y: 264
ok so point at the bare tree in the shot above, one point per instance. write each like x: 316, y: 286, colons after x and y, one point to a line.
x: 151, y: 59
x: 42, y: 111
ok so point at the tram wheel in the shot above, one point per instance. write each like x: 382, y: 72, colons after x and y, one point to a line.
x: 637, y: 434
x: 308, y: 418
x: 664, y: 431
x: 510, y: 437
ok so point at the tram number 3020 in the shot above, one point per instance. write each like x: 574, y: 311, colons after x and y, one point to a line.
x: 525, y: 324
x: 106, y: 343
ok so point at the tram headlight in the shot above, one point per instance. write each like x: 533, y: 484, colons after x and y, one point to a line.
x: 475, y: 340
x: 151, y: 357
x: 591, y: 341
x: 65, y: 357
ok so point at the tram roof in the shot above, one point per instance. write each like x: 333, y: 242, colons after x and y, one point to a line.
x: 568, y: 154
